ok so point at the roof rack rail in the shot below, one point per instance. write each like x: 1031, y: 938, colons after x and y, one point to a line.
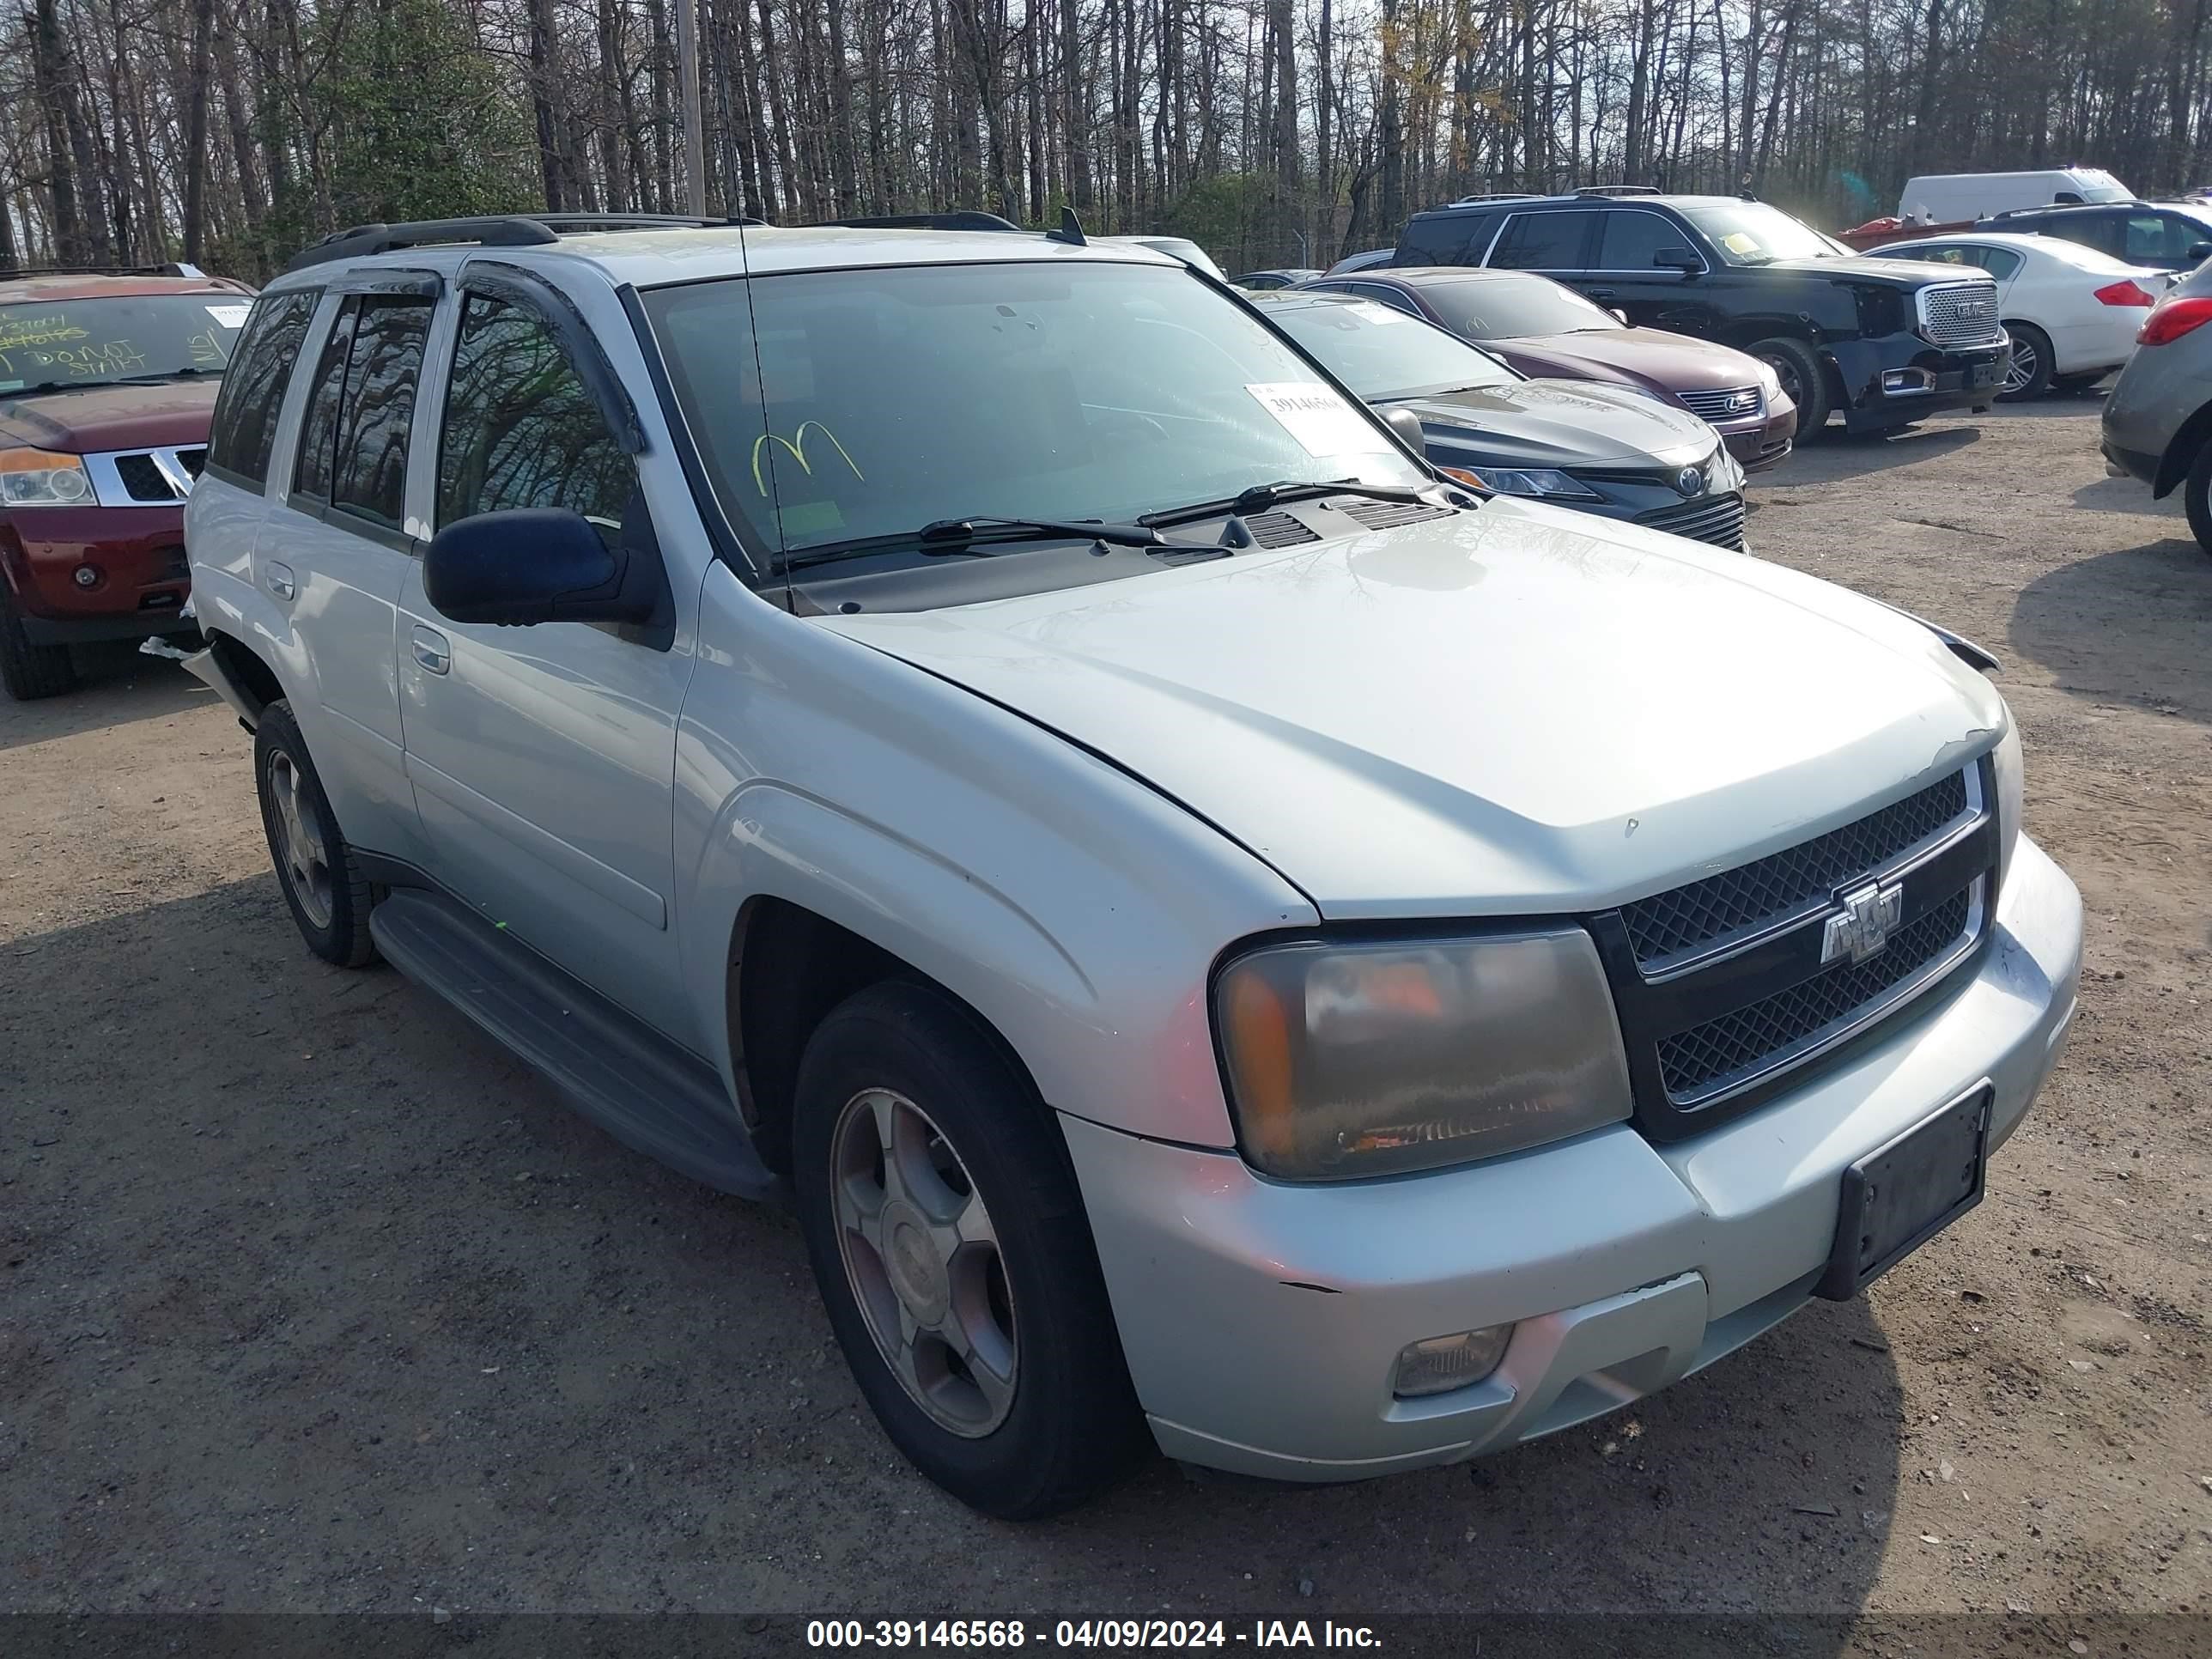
x: 1619, y: 190
x: 959, y: 218
x: 490, y: 230
x: 1481, y: 197
x: 170, y: 268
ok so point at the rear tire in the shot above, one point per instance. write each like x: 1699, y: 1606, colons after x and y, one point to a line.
x: 30, y: 671
x: 948, y: 1237
x: 2077, y: 383
x: 2028, y: 377
x: 329, y: 897
x: 2196, y: 497
x: 1803, y: 378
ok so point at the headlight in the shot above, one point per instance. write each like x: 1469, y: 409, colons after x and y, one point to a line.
x: 2008, y: 770
x: 33, y: 477
x: 1355, y: 1060
x: 1530, y: 481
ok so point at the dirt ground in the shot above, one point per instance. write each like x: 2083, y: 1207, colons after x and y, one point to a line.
x: 312, y: 1300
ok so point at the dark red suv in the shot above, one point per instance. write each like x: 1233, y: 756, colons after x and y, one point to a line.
x: 107, y: 385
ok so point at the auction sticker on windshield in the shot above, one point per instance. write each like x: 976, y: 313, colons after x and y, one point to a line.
x: 229, y: 316
x: 1322, y: 422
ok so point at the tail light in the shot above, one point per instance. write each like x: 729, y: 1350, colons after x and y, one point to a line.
x: 2125, y: 293
x: 2171, y: 319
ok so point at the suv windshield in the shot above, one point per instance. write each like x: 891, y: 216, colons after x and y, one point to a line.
x: 1754, y: 234
x: 97, y: 342
x: 1381, y: 353
x: 1514, y: 307
x: 836, y: 406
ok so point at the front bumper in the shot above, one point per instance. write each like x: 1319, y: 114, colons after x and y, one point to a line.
x: 1261, y: 1320
x: 1762, y: 441
x: 1933, y: 380
x: 136, y: 555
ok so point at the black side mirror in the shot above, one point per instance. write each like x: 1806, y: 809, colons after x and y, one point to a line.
x: 1408, y: 426
x: 535, y: 564
x: 2200, y: 251
x: 1678, y: 257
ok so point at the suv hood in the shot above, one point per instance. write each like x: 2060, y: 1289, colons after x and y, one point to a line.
x: 1886, y: 273
x: 85, y: 420
x: 1520, y: 710
x: 1561, y: 423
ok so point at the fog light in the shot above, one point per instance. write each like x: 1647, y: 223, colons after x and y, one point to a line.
x: 1895, y: 380
x: 88, y: 575
x: 1441, y: 1364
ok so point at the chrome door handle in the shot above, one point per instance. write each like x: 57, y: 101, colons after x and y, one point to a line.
x: 1601, y: 293
x: 280, y: 581
x: 430, y: 649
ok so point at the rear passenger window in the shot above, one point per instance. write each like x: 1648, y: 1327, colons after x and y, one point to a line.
x: 369, y: 475
x: 1446, y: 238
x: 1544, y: 241
x: 353, y: 441
x: 521, y: 428
x: 253, y: 388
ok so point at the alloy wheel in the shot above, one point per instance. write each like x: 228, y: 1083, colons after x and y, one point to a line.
x: 922, y: 1258
x: 306, y: 860
x: 2021, y: 371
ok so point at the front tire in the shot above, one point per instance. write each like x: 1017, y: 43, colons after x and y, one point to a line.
x: 2196, y: 497
x: 949, y: 1240
x: 329, y: 897
x: 1798, y: 367
x: 2027, y: 376
x: 30, y: 671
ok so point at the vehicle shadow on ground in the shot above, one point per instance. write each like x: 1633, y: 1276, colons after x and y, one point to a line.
x: 2131, y: 495
x: 331, y: 1273
x: 117, y: 684
x: 2131, y: 625
x: 1839, y: 454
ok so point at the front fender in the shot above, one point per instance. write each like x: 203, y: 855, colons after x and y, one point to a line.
x: 1075, y: 909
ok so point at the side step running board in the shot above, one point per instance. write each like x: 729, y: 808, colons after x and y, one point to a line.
x: 624, y: 1076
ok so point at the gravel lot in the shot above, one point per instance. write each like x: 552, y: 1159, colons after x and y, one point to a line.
x: 311, y: 1299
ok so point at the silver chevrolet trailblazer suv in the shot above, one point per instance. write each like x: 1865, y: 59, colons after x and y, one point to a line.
x: 1228, y: 941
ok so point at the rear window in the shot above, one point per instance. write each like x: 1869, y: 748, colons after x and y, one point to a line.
x: 254, y: 390
x: 1513, y: 307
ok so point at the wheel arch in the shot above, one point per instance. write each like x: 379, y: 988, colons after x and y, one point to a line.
x: 2181, y: 451
x: 788, y: 967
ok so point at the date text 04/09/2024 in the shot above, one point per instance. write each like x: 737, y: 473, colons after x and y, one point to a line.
x: 940, y: 1633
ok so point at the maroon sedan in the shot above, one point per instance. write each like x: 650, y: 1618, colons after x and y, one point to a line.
x: 1548, y: 331
x: 107, y: 383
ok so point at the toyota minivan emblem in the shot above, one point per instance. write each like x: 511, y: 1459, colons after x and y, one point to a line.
x: 1689, y: 481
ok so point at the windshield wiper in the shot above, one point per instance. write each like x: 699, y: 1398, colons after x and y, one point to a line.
x: 1262, y: 497
x: 952, y: 535
x: 943, y: 537
x: 47, y: 385
x: 156, y: 379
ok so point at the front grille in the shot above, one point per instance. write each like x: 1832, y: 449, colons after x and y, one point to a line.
x: 1383, y: 516
x: 1734, y: 403
x: 1715, y: 518
x: 1279, y: 530
x: 1707, y: 1059
x: 1712, y: 913
x: 192, y: 460
x: 1721, y: 986
x: 1954, y: 315
x: 143, y: 480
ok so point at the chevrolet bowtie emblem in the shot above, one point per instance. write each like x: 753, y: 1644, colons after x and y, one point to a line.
x: 1862, y: 926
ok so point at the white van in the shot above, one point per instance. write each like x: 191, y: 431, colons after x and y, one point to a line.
x: 1951, y: 198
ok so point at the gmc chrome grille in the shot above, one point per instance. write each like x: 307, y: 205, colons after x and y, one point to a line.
x: 1677, y: 927
x: 1954, y: 315
x: 1715, y: 518
x: 1727, y: 987
x: 1734, y: 403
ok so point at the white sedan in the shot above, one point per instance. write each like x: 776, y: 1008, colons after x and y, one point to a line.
x: 2072, y: 312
